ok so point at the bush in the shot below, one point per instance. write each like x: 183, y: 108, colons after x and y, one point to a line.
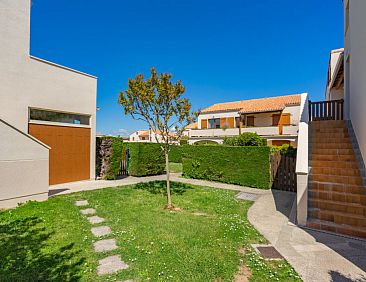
x: 206, y: 142
x: 183, y: 140
x: 247, y: 166
x: 285, y: 149
x: 145, y: 159
x: 175, y: 154
x: 115, y: 158
x: 245, y: 139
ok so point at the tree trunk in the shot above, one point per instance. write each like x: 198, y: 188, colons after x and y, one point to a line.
x: 169, y: 196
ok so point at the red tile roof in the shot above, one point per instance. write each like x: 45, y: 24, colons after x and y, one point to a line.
x: 256, y: 105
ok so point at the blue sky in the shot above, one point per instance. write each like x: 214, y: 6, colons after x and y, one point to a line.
x: 222, y: 50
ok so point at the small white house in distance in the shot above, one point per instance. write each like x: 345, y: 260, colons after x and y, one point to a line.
x: 274, y: 118
x: 47, y: 117
x: 149, y: 136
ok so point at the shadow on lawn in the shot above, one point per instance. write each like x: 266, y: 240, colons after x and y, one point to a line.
x: 24, y: 256
x: 159, y: 187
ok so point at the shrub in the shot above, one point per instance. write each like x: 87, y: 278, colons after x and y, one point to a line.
x: 183, y: 140
x: 145, y: 159
x: 115, y: 158
x: 206, y: 142
x: 175, y: 154
x: 245, y: 139
x: 285, y: 149
x: 247, y: 166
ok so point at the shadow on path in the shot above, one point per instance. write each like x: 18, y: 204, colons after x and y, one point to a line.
x: 353, y: 250
x: 338, y: 277
x: 26, y: 256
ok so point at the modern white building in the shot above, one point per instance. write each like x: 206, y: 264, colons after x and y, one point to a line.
x: 47, y: 117
x: 274, y: 118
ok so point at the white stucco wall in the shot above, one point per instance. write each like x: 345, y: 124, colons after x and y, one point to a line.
x: 294, y: 111
x: 355, y: 67
x: 26, y: 81
x: 23, y: 167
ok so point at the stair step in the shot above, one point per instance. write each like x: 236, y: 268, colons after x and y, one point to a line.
x: 328, y: 123
x: 329, y: 130
x: 352, y: 180
x: 345, y: 145
x: 338, y: 197
x: 336, y: 171
x: 338, y: 217
x: 336, y: 228
x: 336, y: 158
x: 347, y: 209
x: 334, y: 164
x: 321, y: 151
x: 327, y: 140
x: 336, y: 187
x: 316, y: 134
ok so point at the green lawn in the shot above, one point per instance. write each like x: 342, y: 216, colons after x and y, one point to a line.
x: 176, y: 167
x: 51, y: 241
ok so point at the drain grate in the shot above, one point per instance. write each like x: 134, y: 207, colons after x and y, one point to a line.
x: 268, y: 252
x: 247, y: 196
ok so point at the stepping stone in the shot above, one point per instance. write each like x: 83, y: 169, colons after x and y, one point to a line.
x: 88, y: 211
x: 105, y: 245
x: 101, y: 231
x: 95, y: 219
x: 111, y: 265
x: 81, y: 203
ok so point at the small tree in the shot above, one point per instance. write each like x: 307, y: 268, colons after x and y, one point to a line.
x: 159, y: 102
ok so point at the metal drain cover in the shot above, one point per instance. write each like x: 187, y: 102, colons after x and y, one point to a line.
x: 268, y: 252
x: 247, y: 196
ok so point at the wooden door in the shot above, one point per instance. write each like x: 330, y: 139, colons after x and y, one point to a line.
x: 69, y: 153
x: 275, y: 119
x: 250, y: 121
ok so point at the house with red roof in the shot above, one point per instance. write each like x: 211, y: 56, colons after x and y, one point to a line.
x: 274, y: 118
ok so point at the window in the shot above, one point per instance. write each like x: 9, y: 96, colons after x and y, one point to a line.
x: 45, y: 115
x: 214, y: 123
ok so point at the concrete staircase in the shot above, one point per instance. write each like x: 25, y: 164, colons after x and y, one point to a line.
x: 337, y: 198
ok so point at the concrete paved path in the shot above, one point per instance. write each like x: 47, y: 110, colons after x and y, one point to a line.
x: 316, y: 256
x: 73, y: 187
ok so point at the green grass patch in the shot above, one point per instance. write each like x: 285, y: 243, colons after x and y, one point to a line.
x: 176, y: 167
x: 51, y: 241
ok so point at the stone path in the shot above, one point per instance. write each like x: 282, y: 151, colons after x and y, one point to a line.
x: 110, y: 264
x: 72, y: 187
x: 316, y: 256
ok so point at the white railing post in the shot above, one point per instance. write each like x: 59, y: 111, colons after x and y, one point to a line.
x: 302, y: 162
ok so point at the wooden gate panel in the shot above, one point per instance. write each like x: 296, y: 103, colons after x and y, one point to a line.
x: 283, y: 173
x: 69, y: 153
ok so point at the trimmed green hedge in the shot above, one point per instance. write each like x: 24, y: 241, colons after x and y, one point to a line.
x: 247, y: 166
x: 145, y: 159
x: 175, y: 154
x: 115, y: 158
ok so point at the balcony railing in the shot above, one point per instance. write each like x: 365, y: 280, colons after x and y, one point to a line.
x: 262, y: 131
x: 326, y: 110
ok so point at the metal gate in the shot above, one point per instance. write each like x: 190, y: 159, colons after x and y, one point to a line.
x: 124, y: 162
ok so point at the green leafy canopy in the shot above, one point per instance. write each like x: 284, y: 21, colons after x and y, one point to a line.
x: 160, y: 103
